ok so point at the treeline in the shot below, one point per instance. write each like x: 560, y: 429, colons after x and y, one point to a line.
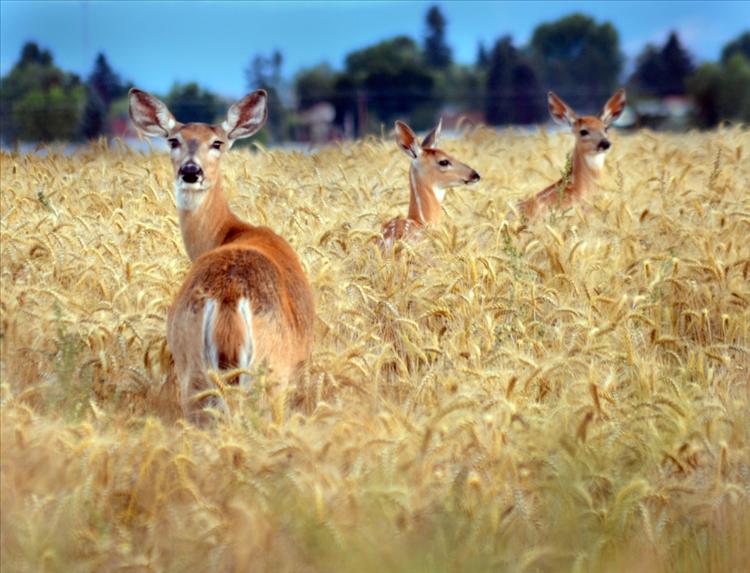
x: 401, y: 77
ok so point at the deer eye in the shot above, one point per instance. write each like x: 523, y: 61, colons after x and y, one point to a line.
x: 174, y: 143
x: 217, y: 144
x: 584, y: 132
x: 444, y: 163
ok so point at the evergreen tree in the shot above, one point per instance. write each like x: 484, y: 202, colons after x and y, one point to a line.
x: 513, y: 92
x: 264, y: 72
x: 483, y: 58
x: 93, y: 121
x: 437, y: 53
x: 677, y: 66
x: 105, y: 81
x: 740, y: 45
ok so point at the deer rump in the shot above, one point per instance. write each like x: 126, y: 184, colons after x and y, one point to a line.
x: 240, y: 306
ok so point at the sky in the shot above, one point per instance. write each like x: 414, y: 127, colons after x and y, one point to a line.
x: 156, y: 43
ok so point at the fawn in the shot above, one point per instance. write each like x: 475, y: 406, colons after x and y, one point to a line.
x: 246, y: 300
x: 432, y: 172
x: 588, y: 155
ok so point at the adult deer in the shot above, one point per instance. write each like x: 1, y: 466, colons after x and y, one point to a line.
x: 432, y: 172
x: 245, y: 301
x: 591, y: 146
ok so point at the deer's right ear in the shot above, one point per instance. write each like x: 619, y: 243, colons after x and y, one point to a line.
x: 407, y: 140
x: 149, y: 114
x: 560, y: 111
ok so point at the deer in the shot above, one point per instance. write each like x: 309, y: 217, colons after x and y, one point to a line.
x: 432, y: 173
x: 592, y: 144
x: 245, y: 301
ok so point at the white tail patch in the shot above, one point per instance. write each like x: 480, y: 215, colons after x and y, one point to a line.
x: 247, y: 350
x: 210, y: 352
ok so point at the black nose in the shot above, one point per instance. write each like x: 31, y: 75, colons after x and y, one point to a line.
x: 190, y: 172
x: 604, y: 144
x: 474, y: 177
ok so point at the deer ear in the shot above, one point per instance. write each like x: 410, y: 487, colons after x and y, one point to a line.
x: 407, y: 140
x: 560, y: 111
x: 149, y: 114
x: 614, y: 107
x: 247, y: 116
x: 431, y: 139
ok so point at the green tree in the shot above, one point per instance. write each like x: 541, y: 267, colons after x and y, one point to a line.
x: 191, y: 103
x: 437, y: 53
x: 315, y: 84
x: 40, y: 102
x: 677, y: 64
x: 648, y: 77
x: 740, y: 45
x: 721, y: 92
x: 578, y: 58
x: 105, y: 81
x: 94, y: 119
x: 392, y: 79
x: 264, y: 72
x: 513, y: 94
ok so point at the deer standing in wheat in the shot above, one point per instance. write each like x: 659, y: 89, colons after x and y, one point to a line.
x: 245, y: 301
x: 587, y: 162
x: 432, y: 172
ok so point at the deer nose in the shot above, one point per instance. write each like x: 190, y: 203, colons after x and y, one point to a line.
x: 604, y: 144
x: 190, y: 172
x: 474, y: 177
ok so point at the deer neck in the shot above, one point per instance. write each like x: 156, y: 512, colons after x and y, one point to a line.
x: 586, y: 171
x: 424, y: 205
x: 205, y: 220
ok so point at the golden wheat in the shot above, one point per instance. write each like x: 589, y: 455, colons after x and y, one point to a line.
x: 569, y: 397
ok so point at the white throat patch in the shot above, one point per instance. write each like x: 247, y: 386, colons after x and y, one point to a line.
x: 189, y: 196
x: 439, y: 193
x: 596, y: 161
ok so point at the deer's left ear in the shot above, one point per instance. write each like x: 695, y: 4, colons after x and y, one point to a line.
x: 246, y: 116
x: 431, y: 138
x: 614, y: 107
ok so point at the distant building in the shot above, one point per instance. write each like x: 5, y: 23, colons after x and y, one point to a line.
x: 670, y: 112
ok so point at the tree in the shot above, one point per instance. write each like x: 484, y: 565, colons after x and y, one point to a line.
x: 437, y: 53
x: 105, y: 81
x: 663, y: 71
x: 392, y: 79
x: 313, y: 85
x: 40, y: 101
x: 740, y: 45
x: 93, y: 121
x: 512, y: 88
x: 579, y: 59
x: 721, y: 91
x: 265, y: 73
x: 190, y: 103
x: 677, y: 65
x: 483, y: 58
x: 648, y: 77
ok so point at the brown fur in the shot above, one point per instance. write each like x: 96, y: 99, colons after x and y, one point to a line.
x: 583, y: 176
x: 232, y: 261
x: 425, y: 176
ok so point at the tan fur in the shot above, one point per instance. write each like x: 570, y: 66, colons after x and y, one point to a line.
x: 233, y: 261
x: 428, y: 179
x: 585, y: 170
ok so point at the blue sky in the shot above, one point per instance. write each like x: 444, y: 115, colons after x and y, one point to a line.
x: 157, y: 43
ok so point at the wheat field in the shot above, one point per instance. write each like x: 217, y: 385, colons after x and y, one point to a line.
x: 569, y: 396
